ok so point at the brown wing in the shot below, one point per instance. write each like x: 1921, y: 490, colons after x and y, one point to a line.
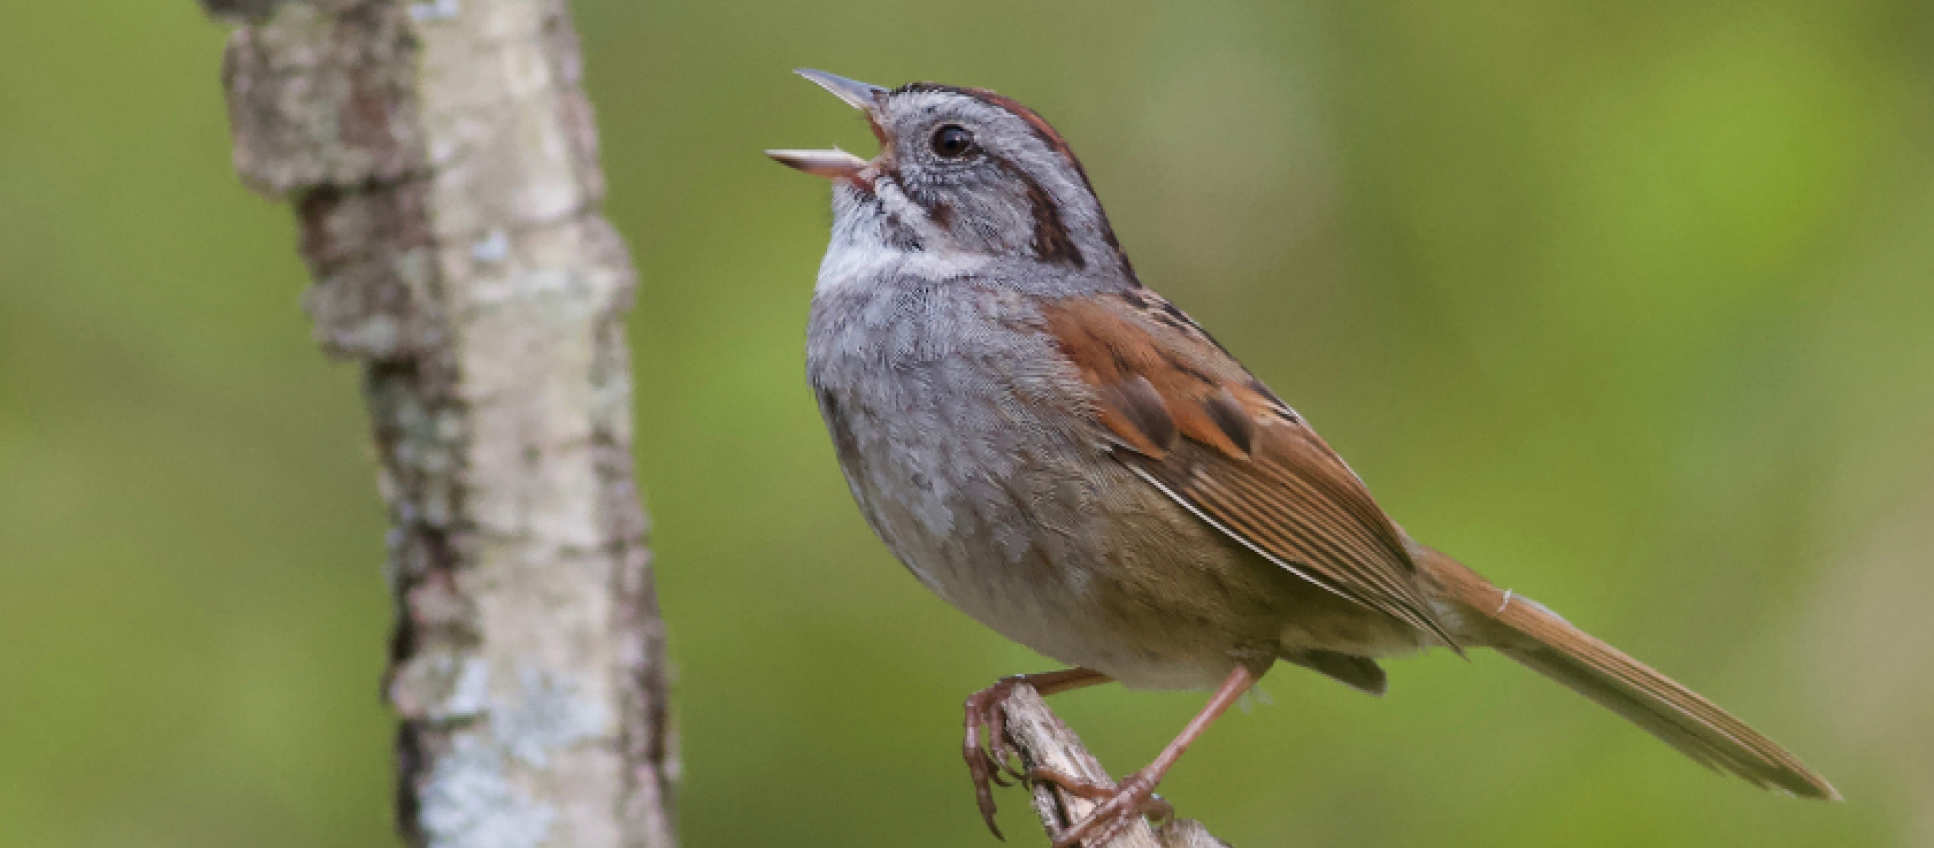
x: 1190, y: 420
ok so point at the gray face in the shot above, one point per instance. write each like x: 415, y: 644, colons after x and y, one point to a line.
x: 972, y: 172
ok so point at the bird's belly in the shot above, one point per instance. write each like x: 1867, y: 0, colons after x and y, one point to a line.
x: 1093, y: 568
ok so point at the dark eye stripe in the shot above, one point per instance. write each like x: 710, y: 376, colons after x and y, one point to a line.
x: 1051, y: 240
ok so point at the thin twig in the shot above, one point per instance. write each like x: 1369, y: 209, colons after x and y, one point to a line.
x: 1046, y: 742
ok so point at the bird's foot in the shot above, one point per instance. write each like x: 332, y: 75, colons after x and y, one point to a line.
x: 1119, y: 805
x: 989, y: 762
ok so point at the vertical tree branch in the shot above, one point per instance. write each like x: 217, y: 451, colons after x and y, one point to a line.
x: 1045, y: 742
x: 442, y: 161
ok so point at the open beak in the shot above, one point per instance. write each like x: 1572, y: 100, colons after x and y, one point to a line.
x: 834, y: 163
x: 831, y: 164
x: 864, y: 96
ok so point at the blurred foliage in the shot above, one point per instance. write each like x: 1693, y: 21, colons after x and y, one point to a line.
x: 1625, y: 304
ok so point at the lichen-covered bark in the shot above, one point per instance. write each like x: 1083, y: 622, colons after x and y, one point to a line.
x: 442, y: 161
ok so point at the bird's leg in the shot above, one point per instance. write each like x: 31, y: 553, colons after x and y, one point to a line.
x: 1135, y: 794
x: 985, y: 762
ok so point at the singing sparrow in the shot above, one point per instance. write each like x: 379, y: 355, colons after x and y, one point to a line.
x: 1062, y: 454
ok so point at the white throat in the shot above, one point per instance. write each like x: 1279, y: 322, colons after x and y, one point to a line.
x: 860, y: 251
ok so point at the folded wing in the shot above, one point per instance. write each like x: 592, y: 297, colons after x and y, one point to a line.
x: 1187, y: 418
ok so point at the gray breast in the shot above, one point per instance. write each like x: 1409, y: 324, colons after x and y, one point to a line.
x: 953, y: 424
x: 932, y: 404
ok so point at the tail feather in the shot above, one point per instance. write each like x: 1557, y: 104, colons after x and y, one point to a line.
x: 1540, y: 639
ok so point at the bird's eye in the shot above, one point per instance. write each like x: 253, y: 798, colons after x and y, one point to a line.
x: 952, y: 141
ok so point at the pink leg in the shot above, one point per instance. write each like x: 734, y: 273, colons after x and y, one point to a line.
x: 1135, y: 794
x: 986, y: 762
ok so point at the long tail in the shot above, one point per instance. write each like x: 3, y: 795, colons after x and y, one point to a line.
x: 1525, y: 631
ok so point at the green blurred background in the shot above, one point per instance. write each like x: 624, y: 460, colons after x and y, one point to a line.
x: 1625, y: 304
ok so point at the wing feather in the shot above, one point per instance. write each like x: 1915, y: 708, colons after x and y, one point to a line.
x: 1187, y: 418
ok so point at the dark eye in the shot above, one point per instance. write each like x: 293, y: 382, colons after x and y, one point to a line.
x: 952, y: 141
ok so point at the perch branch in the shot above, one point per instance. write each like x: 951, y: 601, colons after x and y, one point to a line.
x: 1045, y: 742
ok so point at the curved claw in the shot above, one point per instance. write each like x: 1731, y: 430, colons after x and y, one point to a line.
x: 991, y: 763
x: 986, y: 763
x: 981, y: 771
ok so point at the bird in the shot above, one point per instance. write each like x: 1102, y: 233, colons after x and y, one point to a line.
x: 1062, y: 454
